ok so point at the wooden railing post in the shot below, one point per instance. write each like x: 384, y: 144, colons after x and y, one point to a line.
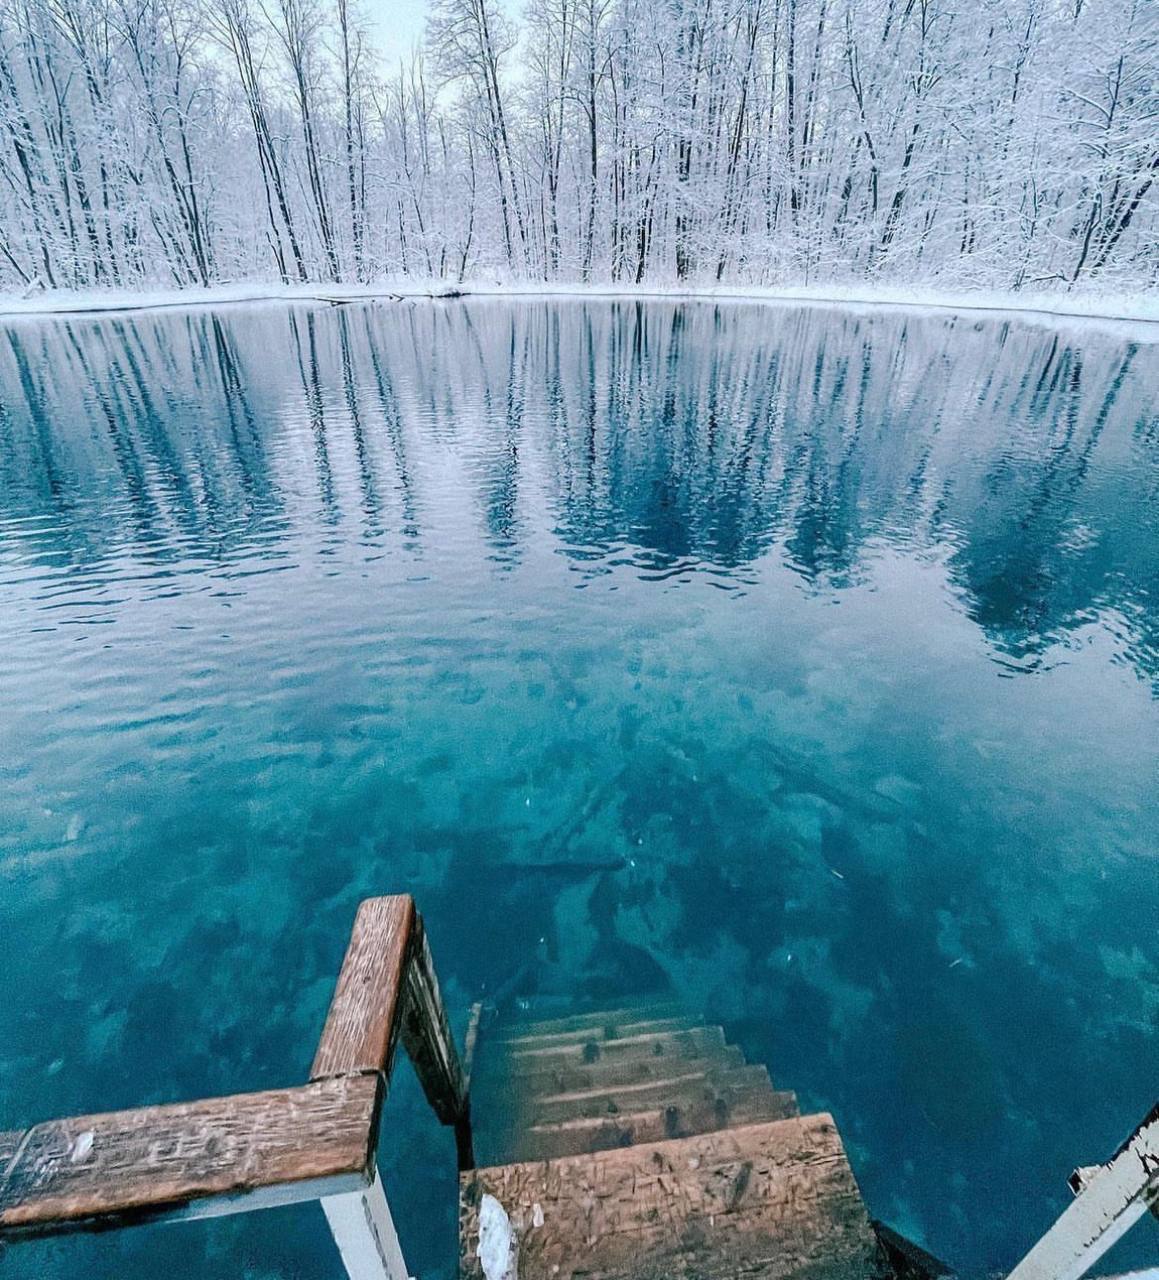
x: 1110, y: 1199
x: 362, y: 1023
x: 387, y: 987
x: 364, y: 1232
x: 426, y: 1036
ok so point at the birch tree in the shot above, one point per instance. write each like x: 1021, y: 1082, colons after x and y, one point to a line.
x: 967, y: 143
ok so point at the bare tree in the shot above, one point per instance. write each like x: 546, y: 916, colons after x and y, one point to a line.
x: 1000, y: 143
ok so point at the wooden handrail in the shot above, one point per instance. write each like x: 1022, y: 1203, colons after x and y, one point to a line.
x: 191, y: 1159
x: 362, y: 1023
x: 248, y: 1151
x: 388, y: 987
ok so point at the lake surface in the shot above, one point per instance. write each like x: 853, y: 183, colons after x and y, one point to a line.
x: 802, y: 661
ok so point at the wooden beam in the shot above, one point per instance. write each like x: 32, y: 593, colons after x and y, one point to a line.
x: 190, y: 1160
x: 1112, y: 1198
x: 426, y: 1034
x: 362, y: 1025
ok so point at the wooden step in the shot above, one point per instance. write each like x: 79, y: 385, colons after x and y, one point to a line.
x: 773, y: 1201
x: 666, y: 1091
x: 678, y: 1119
x: 610, y: 1075
x: 675, y: 1106
x: 686, y: 1042
x: 609, y: 1029
x: 587, y: 1019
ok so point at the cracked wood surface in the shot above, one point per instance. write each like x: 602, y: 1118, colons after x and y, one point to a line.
x: 363, y: 1023
x: 387, y: 989
x: 773, y: 1201
x: 189, y: 1159
x: 683, y: 1112
x: 610, y: 1076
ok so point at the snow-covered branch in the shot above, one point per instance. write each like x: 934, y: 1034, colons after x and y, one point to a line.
x: 970, y: 142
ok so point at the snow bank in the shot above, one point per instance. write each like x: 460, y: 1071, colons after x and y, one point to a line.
x: 1137, y: 315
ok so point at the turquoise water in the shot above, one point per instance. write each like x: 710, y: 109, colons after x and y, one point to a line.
x: 802, y: 661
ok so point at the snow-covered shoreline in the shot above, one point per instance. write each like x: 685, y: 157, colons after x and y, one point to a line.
x: 1137, y: 315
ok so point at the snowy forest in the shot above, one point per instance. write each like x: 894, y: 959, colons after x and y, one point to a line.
x: 1010, y: 144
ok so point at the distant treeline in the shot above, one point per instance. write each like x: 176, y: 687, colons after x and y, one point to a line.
x: 1002, y: 143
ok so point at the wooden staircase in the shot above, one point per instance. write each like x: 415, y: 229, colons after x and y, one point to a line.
x: 637, y: 1144
x: 622, y: 1144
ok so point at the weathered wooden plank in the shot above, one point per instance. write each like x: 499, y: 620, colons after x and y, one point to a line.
x: 610, y: 1074
x: 190, y: 1159
x: 680, y: 1116
x: 646, y: 1010
x: 769, y: 1202
x: 464, y: 1132
x: 426, y: 1034
x: 1112, y: 1199
x: 609, y: 1030
x: 362, y: 1024
x: 683, y: 1042
x: 605, y: 1099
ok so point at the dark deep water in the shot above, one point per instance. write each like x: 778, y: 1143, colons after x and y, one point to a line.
x: 839, y: 632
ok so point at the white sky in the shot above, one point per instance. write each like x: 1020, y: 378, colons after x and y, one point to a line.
x: 399, y: 24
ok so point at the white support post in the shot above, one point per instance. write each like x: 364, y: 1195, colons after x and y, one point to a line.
x: 1112, y: 1198
x: 364, y: 1233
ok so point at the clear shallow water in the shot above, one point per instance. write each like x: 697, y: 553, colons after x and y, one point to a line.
x: 837, y: 635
